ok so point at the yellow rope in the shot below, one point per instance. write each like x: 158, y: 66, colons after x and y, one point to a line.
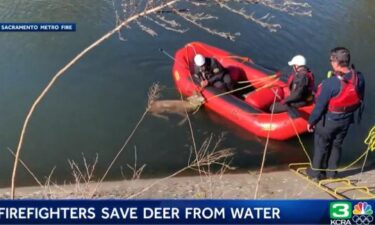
x: 300, y: 141
x: 242, y: 58
x: 267, y: 85
x: 370, y: 141
x: 242, y: 88
x: 256, y: 81
x: 271, y: 77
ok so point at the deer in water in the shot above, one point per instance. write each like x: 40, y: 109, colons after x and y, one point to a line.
x: 159, y: 108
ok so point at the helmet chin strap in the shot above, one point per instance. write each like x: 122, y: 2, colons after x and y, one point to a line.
x: 295, y: 68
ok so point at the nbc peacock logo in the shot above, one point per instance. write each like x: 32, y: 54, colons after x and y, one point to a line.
x: 362, y: 208
x: 362, y: 213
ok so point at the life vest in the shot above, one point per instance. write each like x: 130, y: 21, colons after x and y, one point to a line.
x: 348, y: 99
x: 310, y: 77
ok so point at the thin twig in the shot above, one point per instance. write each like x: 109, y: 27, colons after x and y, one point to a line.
x: 27, y: 168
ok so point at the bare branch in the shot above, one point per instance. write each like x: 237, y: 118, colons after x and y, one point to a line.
x: 147, y: 29
x: 291, y: 7
x: 171, y: 23
x: 194, y: 20
x: 261, y: 21
x: 200, y: 3
x: 166, y: 26
x: 118, y: 21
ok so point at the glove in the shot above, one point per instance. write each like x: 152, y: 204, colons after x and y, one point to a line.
x: 204, y: 83
x: 310, y: 128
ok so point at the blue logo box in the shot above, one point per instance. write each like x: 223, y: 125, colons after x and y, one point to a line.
x: 37, y: 27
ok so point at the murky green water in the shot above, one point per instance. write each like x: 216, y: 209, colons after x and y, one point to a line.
x: 93, y: 107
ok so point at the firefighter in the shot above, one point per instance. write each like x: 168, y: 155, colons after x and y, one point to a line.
x: 209, y: 72
x: 300, y: 84
x: 337, y: 99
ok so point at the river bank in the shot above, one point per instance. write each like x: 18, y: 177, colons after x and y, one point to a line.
x: 274, y: 185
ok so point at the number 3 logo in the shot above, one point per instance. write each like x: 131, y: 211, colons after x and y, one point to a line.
x: 340, y: 210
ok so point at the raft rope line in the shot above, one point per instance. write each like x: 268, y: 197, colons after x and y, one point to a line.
x: 247, y: 86
x: 258, y: 79
x: 230, y: 92
x: 265, y: 148
x: 370, y: 141
x: 242, y: 58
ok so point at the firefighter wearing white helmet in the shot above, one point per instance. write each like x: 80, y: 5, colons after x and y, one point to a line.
x: 301, y: 88
x: 209, y: 72
x: 199, y: 60
x: 298, y: 60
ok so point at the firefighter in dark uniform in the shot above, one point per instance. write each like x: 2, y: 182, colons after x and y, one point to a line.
x: 300, y: 84
x: 338, y: 98
x: 209, y: 72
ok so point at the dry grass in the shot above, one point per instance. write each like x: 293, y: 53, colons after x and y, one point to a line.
x: 137, y: 172
x: 83, y: 176
x: 213, y: 164
x: 202, y: 162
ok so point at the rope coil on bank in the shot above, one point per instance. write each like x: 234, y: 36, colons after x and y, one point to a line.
x: 369, y: 141
x: 344, y: 184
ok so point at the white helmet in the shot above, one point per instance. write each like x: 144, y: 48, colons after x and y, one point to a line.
x: 199, y: 60
x: 297, y: 60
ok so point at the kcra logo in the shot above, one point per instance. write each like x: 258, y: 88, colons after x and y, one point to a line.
x: 342, y: 213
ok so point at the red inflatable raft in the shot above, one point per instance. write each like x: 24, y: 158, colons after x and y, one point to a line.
x: 250, y: 110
